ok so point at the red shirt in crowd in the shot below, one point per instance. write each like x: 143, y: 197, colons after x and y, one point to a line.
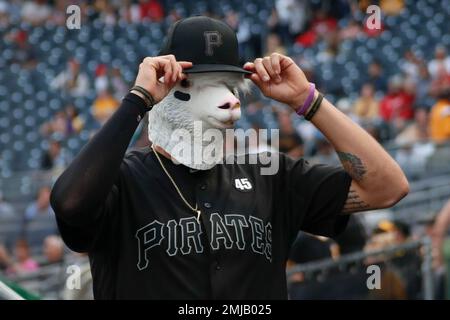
x: 397, y: 105
x: 319, y: 27
x: 323, y: 26
x: 151, y: 9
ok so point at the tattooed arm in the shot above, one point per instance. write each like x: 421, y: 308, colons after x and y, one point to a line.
x: 354, y: 203
x: 378, y: 182
x: 356, y: 169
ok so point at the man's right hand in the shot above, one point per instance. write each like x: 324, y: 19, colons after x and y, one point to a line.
x: 153, y: 68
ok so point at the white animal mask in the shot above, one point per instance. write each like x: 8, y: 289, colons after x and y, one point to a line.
x: 202, y: 106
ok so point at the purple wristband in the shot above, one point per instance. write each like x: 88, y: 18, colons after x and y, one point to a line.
x: 301, y: 111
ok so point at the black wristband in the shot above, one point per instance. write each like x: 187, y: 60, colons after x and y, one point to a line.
x: 137, y: 101
x: 147, y: 96
x: 314, y: 108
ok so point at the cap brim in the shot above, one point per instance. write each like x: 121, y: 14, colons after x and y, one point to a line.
x: 203, y: 68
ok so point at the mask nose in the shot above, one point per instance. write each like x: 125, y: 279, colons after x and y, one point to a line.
x: 230, y: 103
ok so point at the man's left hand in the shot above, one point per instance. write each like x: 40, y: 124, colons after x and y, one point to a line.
x: 279, y: 78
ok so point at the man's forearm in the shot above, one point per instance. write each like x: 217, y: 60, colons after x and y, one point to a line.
x: 377, y: 180
x: 372, y: 169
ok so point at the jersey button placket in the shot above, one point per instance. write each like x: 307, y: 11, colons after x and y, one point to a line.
x: 207, y: 205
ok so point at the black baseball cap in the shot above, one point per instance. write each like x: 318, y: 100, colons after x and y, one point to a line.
x: 211, y: 45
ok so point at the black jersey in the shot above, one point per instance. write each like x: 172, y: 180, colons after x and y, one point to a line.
x: 145, y: 243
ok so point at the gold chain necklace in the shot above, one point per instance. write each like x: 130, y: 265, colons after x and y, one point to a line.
x: 196, y: 210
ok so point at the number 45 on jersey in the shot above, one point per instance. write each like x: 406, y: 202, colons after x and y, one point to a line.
x: 242, y: 184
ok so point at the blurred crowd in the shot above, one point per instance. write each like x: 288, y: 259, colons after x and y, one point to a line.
x: 409, y: 108
x: 37, y: 254
x: 401, y: 272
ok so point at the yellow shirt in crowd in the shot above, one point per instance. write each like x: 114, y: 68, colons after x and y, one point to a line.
x: 440, y: 121
x: 366, y: 108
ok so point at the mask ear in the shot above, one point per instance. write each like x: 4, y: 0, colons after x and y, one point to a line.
x: 244, y: 86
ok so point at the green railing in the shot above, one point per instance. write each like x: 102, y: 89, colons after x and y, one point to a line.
x: 11, y: 291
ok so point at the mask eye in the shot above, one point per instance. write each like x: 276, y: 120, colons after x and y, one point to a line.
x: 182, y: 96
x: 185, y: 83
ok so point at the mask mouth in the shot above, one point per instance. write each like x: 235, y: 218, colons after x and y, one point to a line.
x: 214, y: 122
